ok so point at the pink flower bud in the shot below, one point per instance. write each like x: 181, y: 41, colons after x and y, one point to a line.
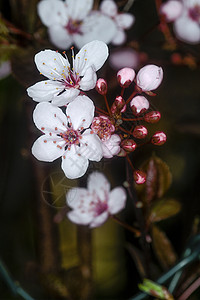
x: 159, y: 138
x: 128, y: 145
x: 152, y: 117
x: 125, y: 77
x: 139, y: 104
x: 101, y: 86
x: 140, y: 132
x: 118, y: 106
x: 171, y: 10
x: 149, y: 77
x: 139, y: 177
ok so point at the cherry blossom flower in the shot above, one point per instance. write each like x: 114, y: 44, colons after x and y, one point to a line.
x: 187, y: 26
x: 65, y: 83
x: 93, y: 205
x: 126, y: 57
x: 67, y: 136
x: 111, y: 146
x: 72, y: 22
x: 104, y: 128
x: 123, y: 20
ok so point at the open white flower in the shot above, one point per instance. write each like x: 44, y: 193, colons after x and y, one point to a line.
x: 187, y: 26
x: 92, y: 206
x: 67, y: 136
x: 72, y: 22
x: 65, y: 83
x: 122, y: 20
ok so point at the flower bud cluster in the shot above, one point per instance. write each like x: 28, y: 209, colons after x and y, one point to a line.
x: 125, y: 117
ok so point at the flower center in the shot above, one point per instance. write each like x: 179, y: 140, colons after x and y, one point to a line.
x: 100, y: 207
x: 72, y: 80
x: 194, y: 13
x: 71, y: 137
x: 103, y: 127
x: 73, y: 26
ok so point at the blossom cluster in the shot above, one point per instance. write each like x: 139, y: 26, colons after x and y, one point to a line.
x: 74, y: 22
x: 78, y: 132
x: 73, y: 132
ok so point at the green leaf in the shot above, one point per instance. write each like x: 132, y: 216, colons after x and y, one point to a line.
x: 163, y: 209
x: 163, y: 248
x: 155, y: 290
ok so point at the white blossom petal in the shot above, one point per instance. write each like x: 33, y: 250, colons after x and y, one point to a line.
x: 66, y: 97
x: 91, y: 146
x: 117, y: 200
x: 44, y: 90
x: 98, y: 183
x: 52, y: 12
x: 96, y: 25
x: 60, y: 36
x: 78, y: 9
x: 111, y: 147
x: 81, y: 112
x: 76, y: 195
x: 125, y: 20
x: 120, y: 37
x: 49, y: 118
x: 89, y: 80
x: 51, y: 64
x: 73, y: 165
x: 93, y: 54
x: 45, y: 149
x: 80, y: 218
x: 99, y: 220
x: 109, y: 8
x: 187, y: 30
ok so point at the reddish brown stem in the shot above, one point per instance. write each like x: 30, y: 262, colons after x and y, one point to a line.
x: 130, y: 163
x: 99, y: 110
x: 131, y: 96
x: 138, y: 119
x: 107, y: 105
x: 122, y: 92
x: 190, y: 290
x: 128, y: 227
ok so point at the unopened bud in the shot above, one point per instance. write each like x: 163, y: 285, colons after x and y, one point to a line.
x: 119, y: 105
x: 152, y: 117
x: 140, y: 132
x: 149, y: 77
x: 139, y: 104
x: 128, y: 145
x: 139, y: 177
x: 171, y: 9
x: 125, y: 77
x: 101, y: 86
x: 159, y: 138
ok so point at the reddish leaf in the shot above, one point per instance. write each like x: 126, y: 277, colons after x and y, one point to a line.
x: 158, y: 179
x: 163, y: 248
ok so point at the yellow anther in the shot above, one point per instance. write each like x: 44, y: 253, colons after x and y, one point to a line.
x: 55, y: 69
x: 45, y: 82
x: 43, y: 63
x: 54, y: 58
x: 85, y: 58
